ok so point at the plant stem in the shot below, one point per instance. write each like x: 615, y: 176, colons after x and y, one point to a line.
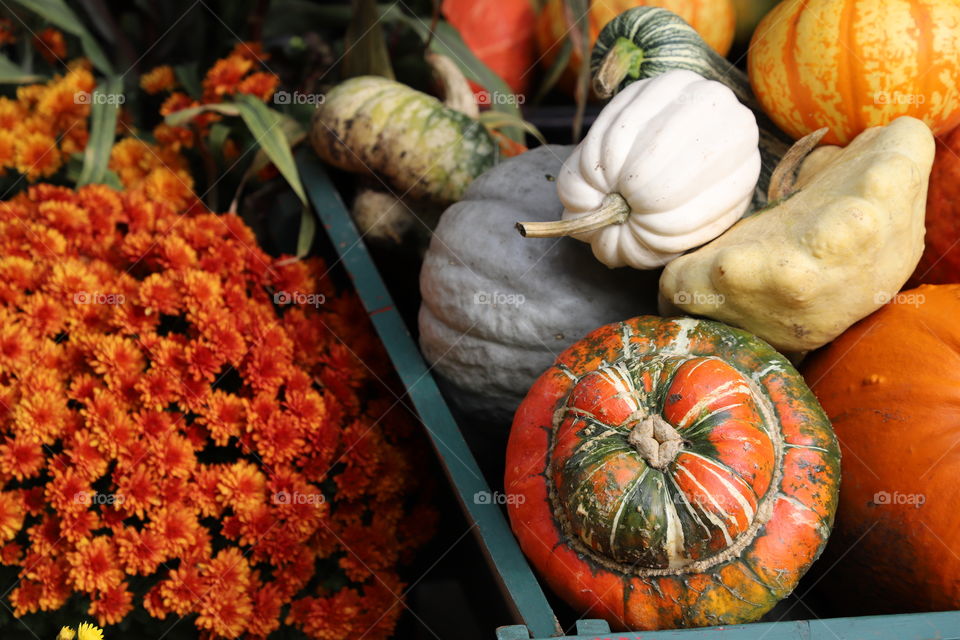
x: 623, y: 59
x: 656, y: 441
x: 613, y: 210
x: 784, y: 177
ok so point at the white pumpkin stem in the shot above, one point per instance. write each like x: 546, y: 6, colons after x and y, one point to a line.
x: 623, y: 58
x: 656, y: 441
x: 613, y: 210
x: 457, y: 93
x: 784, y: 178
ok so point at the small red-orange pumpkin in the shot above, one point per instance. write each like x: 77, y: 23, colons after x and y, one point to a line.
x: 670, y: 473
x: 940, y: 263
x: 853, y: 64
x: 714, y: 20
x: 500, y: 34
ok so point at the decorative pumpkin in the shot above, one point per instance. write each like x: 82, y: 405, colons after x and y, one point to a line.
x: 847, y: 65
x: 417, y: 144
x: 498, y: 308
x: 824, y: 256
x: 668, y: 165
x: 646, y: 42
x: 941, y: 257
x: 671, y: 473
x: 748, y: 14
x: 890, y: 385
x: 713, y: 19
x: 501, y: 34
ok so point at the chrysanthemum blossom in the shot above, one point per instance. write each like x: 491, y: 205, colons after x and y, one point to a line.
x: 173, y: 439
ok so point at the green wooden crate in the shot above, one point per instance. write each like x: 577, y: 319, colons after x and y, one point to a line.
x: 520, y: 587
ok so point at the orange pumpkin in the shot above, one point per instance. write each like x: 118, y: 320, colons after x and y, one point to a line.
x: 671, y: 473
x: 713, y: 19
x: 500, y: 34
x: 853, y: 64
x: 891, y: 386
x: 940, y: 263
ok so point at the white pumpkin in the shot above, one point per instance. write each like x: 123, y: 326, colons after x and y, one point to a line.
x: 670, y: 163
x: 497, y: 309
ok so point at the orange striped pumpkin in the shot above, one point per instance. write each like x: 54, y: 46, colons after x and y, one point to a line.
x: 713, y: 19
x: 853, y: 64
x: 671, y: 473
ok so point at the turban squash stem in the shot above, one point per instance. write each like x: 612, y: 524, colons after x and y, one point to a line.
x: 673, y: 473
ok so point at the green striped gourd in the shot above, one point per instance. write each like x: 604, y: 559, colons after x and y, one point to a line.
x: 420, y: 146
x: 644, y: 42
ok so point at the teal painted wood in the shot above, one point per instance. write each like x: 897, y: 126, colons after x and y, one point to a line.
x: 911, y: 626
x: 510, y: 566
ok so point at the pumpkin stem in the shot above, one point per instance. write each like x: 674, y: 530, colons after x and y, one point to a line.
x: 656, y: 441
x: 783, y: 180
x: 457, y: 93
x: 623, y: 59
x: 613, y: 210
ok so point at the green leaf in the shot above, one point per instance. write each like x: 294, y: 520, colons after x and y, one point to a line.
x: 582, y: 94
x: 293, y: 131
x: 555, y: 71
x: 308, y: 229
x: 183, y: 116
x: 104, y: 105
x: 188, y: 77
x: 219, y: 133
x: 10, y: 73
x: 366, y: 50
x: 498, y: 120
x: 265, y: 125
x: 59, y: 14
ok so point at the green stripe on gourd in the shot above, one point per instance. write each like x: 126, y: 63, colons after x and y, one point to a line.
x: 421, y: 147
x: 644, y: 42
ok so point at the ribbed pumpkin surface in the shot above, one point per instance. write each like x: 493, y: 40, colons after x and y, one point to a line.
x: 853, y: 64
x: 673, y: 473
x: 713, y: 19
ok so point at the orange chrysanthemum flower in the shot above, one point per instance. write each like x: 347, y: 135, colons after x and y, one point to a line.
x: 158, y: 79
x: 224, y: 76
x: 7, y: 34
x: 94, y: 566
x: 260, y: 85
x: 162, y: 417
x: 51, y: 44
x: 110, y: 606
x: 37, y: 155
x: 11, y: 514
